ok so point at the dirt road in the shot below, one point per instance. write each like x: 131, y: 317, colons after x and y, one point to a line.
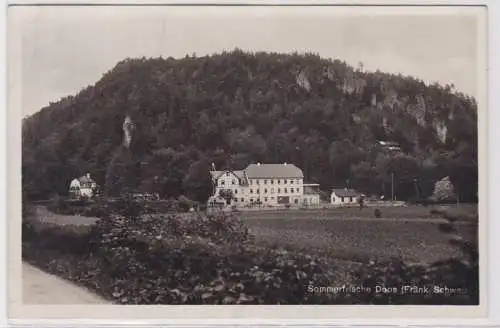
x: 42, y: 288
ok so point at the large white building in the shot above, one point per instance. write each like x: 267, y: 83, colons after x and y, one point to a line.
x: 266, y: 184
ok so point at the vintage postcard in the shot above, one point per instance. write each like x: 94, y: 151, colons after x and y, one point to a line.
x: 224, y: 162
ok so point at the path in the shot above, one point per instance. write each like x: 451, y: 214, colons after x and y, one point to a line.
x: 42, y: 288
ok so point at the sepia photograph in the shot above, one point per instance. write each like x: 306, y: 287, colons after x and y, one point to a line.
x: 248, y: 155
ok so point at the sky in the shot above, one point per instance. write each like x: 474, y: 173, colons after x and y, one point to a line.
x: 66, y: 48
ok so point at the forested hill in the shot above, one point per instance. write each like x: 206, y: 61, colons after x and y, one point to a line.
x: 237, y: 108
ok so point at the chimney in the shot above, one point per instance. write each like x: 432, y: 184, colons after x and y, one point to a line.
x: 258, y: 164
x: 88, y: 175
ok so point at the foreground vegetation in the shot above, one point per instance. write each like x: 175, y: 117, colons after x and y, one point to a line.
x: 131, y: 258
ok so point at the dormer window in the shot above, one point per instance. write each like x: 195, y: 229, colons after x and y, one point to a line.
x: 227, y: 174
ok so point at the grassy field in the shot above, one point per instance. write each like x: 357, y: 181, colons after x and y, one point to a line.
x: 409, y: 233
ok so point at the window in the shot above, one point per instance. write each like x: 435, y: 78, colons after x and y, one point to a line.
x: 284, y: 181
x: 298, y: 181
x: 279, y: 190
x: 235, y: 191
x: 236, y: 200
x: 298, y: 190
x: 222, y: 182
x: 258, y: 181
x: 265, y: 181
x: 272, y: 181
x: 350, y: 199
x: 243, y: 199
x: 258, y: 191
x: 286, y: 190
x: 251, y: 191
x: 251, y: 181
x: 342, y: 199
x: 251, y: 200
x: 291, y: 181
x: 272, y: 197
x: 227, y: 174
x: 265, y: 199
x: 233, y: 181
x: 279, y: 181
x: 296, y: 201
x: 272, y: 190
x: 265, y: 191
x: 291, y: 190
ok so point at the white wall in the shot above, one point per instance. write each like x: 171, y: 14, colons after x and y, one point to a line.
x: 265, y: 190
x: 268, y: 190
x: 334, y: 199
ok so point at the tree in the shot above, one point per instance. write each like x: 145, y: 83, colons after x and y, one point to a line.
x: 227, y: 194
x: 236, y: 108
x: 198, y: 182
x: 443, y: 190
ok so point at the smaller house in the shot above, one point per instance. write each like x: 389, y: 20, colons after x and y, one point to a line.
x: 83, y: 187
x: 344, y: 196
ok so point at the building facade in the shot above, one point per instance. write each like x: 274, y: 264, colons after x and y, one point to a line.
x: 83, y: 187
x: 261, y: 184
x: 344, y: 197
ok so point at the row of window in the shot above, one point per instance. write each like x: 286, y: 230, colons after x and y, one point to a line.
x: 252, y: 200
x: 278, y: 181
x: 285, y: 190
x: 234, y: 181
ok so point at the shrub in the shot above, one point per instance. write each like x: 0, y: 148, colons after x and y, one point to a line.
x: 176, y: 259
x: 377, y: 213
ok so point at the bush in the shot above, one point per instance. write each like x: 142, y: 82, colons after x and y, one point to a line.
x: 377, y: 213
x: 180, y: 260
x: 452, y: 274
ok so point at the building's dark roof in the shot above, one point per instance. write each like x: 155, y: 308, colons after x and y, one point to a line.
x: 344, y: 192
x: 85, y: 179
x: 273, y: 171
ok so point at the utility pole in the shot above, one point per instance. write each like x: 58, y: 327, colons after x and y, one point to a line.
x: 417, y: 191
x: 392, y: 186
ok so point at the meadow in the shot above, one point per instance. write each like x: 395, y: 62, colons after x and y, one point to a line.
x: 410, y: 233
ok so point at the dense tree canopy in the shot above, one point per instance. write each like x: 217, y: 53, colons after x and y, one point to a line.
x: 236, y: 108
